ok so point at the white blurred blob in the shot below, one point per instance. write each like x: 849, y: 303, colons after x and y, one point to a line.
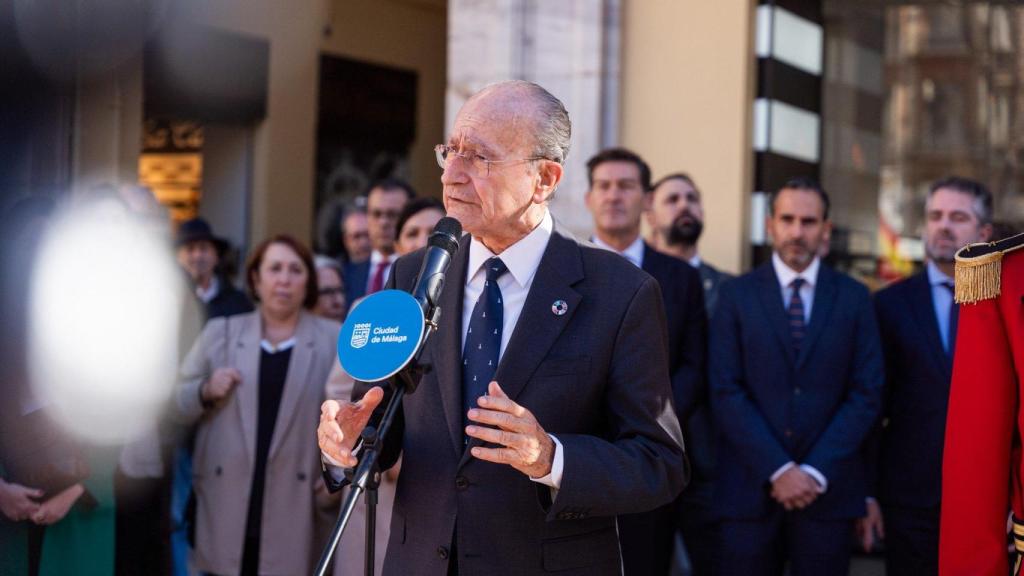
x: 104, y: 319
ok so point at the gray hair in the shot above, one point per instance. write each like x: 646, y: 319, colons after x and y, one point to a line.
x: 553, y: 128
x: 321, y: 261
x: 976, y: 190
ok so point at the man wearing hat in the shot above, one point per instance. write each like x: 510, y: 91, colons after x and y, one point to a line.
x: 199, y: 252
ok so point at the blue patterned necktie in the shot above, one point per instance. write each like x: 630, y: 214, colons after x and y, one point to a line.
x: 795, y: 314
x: 483, y: 338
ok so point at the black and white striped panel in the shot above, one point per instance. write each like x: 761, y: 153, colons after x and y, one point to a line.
x: 787, y: 111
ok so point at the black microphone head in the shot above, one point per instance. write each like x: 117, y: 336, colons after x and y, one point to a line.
x: 446, y: 235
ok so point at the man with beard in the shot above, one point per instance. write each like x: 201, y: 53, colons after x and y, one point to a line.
x: 619, y: 192
x: 796, y: 383
x: 918, y: 322
x: 676, y: 220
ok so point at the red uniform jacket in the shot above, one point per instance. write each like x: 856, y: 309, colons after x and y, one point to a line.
x: 982, y: 469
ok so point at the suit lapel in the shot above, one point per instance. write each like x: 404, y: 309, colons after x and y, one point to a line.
x: 247, y: 361
x: 538, y: 326
x: 922, y: 306
x: 821, y: 310
x: 295, y: 380
x: 447, y: 347
x: 770, y: 296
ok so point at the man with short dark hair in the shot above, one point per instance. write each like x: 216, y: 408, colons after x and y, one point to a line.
x: 796, y: 382
x: 918, y: 322
x: 618, y: 195
x: 548, y: 409
x: 384, y: 202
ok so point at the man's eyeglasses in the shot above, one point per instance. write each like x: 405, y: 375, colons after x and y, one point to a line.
x: 478, y: 165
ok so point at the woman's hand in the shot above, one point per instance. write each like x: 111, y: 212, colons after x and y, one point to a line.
x: 220, y: 384
x: 54, y: 509
x: 18, y: 502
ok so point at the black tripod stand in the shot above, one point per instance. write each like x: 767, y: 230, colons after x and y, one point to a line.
x: 366, y: 477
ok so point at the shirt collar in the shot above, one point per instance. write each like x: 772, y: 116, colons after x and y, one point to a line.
x: 377, y: 257
x: 936, y: 276
x: 695, y: 261
x: 521, y: 258
x: 281, y: 347
x: 786, y: 274
x: 634, y: 252
x: 210, y: 292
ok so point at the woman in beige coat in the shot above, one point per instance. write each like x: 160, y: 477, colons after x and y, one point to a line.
x: 254, y: 383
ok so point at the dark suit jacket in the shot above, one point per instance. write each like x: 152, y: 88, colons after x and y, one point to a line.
x: 228, y: 302
x: 356, y: 277
x: 595, y: 377
x: 918, y: 373
x: 711, y: 278
x: 771, y: 407
x: 687, y: 326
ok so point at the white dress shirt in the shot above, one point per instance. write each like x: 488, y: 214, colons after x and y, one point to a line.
x: 210, y: 292
x: 634, y: 252
x: 786, y: 276
x: 942, y: 300
x: 695, y: 261
x: 522, y: 260
x: 377, y: 258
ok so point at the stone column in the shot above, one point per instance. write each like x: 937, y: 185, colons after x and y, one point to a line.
x: 570, y: 47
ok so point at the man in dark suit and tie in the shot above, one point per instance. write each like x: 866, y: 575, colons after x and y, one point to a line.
x: 619, y: 193
x: 918, y: 319
x: 676, y: 217
x: 384, y: 203
x: 796, y: 381
x: 548, y: 411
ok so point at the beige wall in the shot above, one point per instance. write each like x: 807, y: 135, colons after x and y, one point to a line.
x: 108, y: 127
x: 407, y: 34
x: 687, y: 94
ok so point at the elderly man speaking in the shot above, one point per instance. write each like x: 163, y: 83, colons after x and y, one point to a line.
x: 548, y: 410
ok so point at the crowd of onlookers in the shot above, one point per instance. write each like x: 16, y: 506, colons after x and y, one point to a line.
x: 813, y: 412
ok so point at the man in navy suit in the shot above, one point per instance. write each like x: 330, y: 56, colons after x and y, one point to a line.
x: 618, y: 195
x: 384, y: 202
x: 548, y: 409
x: 796, y: 382
x: 917, y: 318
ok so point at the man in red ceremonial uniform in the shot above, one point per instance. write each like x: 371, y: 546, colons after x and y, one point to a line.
x: 982, y: 470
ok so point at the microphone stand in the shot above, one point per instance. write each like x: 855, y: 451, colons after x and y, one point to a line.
x: 366, y: 477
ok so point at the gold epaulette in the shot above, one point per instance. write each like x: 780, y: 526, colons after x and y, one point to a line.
x: 979, y: 268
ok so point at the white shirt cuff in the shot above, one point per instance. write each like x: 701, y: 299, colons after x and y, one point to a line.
x: 818, y: 477
x: 554, y: 478
x: 782, y: 470
x: 335, y: 469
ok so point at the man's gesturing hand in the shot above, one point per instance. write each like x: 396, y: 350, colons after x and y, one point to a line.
x: 527, y: 447
x: 342, y: 422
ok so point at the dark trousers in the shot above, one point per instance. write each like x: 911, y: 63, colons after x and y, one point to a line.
x: 645, y: 540
x: 699, y: 529
x: 142, y: 528
x: 911, y: 540
x: 812, y: 547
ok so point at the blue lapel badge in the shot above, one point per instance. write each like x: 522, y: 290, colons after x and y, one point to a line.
x: 559, y: 308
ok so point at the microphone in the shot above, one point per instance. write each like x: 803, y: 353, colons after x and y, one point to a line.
x: 387, y: 331
x: 441, y: 247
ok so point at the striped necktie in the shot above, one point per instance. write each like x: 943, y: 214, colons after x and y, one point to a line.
x: 795, y: 314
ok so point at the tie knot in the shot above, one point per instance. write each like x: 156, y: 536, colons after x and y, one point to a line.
x: 798, y: 283
x: 495, y: 268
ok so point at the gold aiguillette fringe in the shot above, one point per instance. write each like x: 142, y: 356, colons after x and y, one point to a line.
x: 978, y: 278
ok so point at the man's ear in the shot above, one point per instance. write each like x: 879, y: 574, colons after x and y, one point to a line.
x: 985, y: 234
x: 550, y: 174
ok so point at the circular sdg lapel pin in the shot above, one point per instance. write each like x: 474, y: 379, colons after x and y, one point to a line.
x: 559, y: 308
